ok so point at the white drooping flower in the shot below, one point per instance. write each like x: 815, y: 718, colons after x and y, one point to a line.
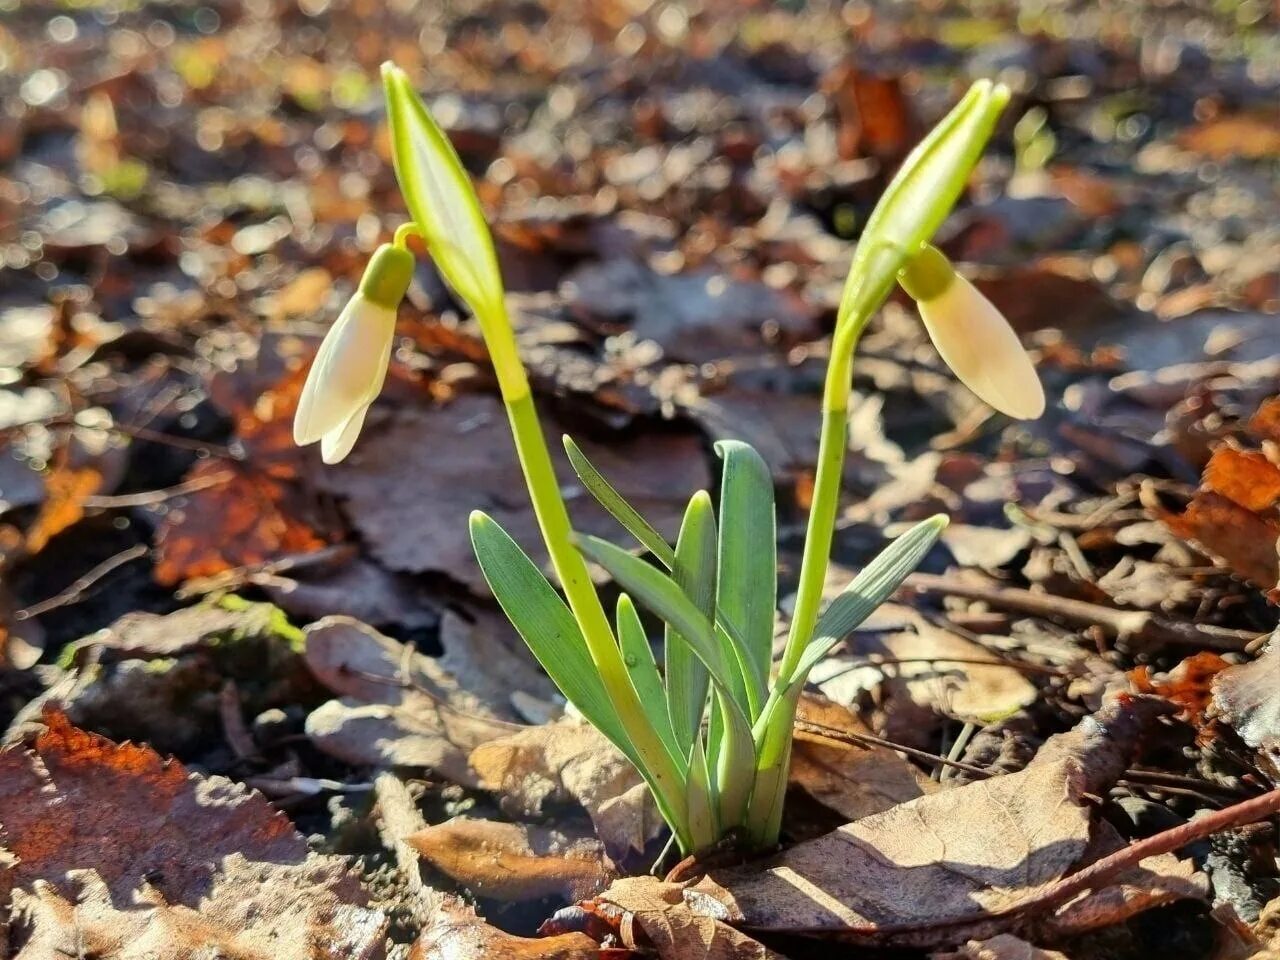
x: 973, y: 337
x: 351, y: 365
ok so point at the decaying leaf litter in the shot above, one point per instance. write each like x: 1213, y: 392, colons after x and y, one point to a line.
x: 190, y: 194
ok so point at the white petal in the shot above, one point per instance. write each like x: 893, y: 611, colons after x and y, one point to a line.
x: 348, y: 368
x: 336, y: 444
x: 978, y: 344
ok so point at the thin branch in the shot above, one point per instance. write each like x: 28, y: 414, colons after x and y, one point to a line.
x: 151, y: 497
x: 1117, y: 624
x: 75, y: 592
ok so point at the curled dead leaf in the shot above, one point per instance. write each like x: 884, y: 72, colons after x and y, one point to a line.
x: 854, y: 781
x: 511, y: 861
x: 569, y: 761
x: 456, y: 933
x: 655, y: 915
x: 1248, y: 698
x: 399, y: 708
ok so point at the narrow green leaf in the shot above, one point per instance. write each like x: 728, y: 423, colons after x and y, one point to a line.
x: 694, y: 573
x: 659, y: 593
x: 618, y: 508
x: 546, y: 624
x: 735, y: 764
x: 702, y: 816
x: 875, y: 584
x: 637, y: 655
x: 441, y: 198
x: 748, y: 568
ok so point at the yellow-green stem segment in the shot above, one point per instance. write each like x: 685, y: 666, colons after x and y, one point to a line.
x: 575, y: 580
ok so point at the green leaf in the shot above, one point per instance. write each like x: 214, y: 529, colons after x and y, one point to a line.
x: 637, y: 655
x: 546, y: 624
x: 694, y: 572
x: 618, y: 508
x: 919, y: 198
x: 875, y: 584
x: 441, y: 198
x: 734, y: 748
x: 702, y: 813
x: 735, y: 763
x: 659, y: 593
x: 748, y: 568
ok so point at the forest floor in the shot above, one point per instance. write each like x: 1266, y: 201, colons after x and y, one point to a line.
x: 260, y: 707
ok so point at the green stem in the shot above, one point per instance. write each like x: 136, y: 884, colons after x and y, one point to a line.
x: 773, y: 735
x: 861, y: 302
x: 822, y: 511
x: 575, y: 580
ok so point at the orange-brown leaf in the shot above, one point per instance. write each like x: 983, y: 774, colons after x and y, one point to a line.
x: 66, y: 489
x: 249, y: 518
x: 1244, y: 476
x: 1239, y: 538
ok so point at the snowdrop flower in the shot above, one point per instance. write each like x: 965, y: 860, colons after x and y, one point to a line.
x: 352, y: 362
x: 973, y: 337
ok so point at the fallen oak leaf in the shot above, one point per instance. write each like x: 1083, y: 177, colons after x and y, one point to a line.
x: 513, y: 862
x: 952, y: 865
x: 1243, y: 476
x: 406, y: 500
x: 246, y: 518
x: 112, y: 840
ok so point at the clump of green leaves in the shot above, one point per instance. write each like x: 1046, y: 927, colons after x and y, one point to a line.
x: 710, y: 729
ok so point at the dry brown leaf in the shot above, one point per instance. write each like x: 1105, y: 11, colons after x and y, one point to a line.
x: 933, y: 676
x: 655, y: 914
x: 928, y: 872
x: 512, y: 861
x: 398, y: 707
x: 456, y: 933
x: 124, y: 856
x: 409, y: 486
x: 1241, y: 539
x: 1187, y: 684
x: 853, y: 781
x: 1248, y: 698
x: 1265, y: 422
x: 571, y: 761
x: 243, y: 513
x: 66, y: 489
x: 1253, y: 136
x: 242, y: 517
x: 1243, y: 476
x: 1004, y: 947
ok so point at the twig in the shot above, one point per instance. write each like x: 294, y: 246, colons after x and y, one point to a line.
x: 1117, y: 624
x: 150, y: 497
x: 1100, y: 872
x: 870, y: 740
x: 233, y: 725
x: 75, y: 592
